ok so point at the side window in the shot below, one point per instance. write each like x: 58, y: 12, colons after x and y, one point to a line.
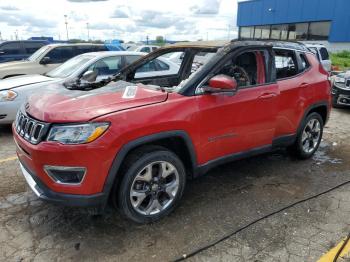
x: 162, y: 66
x: 61, y: 54
x: 248, y: 69
x: 286, y: 64
x: 324, y: 53
x: 131, y: 59
x: 31, y: 47
x: 107, y: 66
x: 145, y: 49
x: 148, y: 67
x: 304, y: 62
x: 11, y: 48
x: 159, y: 67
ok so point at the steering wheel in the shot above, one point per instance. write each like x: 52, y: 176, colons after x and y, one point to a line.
x: 241, y: 76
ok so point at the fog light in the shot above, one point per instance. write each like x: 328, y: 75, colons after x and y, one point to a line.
x: 66, y: 175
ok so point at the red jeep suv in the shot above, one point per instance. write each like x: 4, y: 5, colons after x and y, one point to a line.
x: 132, y: 140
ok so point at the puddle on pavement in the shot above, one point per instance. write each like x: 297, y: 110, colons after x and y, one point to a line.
x: 321, y: 156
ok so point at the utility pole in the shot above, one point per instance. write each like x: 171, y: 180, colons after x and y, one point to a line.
x: 66, y: 22
x: 16, y: 34
x: 0, y: 36
x: 147, y: 38
x: 88, y: 33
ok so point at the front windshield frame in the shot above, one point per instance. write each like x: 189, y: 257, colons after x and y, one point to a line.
x: 71, y: 66
x: 38, y: 53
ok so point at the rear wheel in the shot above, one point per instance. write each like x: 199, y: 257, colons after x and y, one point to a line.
x: 152, y: 185
x: 309, y: 137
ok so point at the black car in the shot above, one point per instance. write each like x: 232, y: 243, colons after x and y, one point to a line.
x: 341, y: 90
x: 19, y: 50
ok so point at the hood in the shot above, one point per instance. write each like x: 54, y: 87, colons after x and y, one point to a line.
x: 60, y: 105
x: 18, y: 81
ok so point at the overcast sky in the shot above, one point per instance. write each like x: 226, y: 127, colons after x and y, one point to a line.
x: 119, y: 19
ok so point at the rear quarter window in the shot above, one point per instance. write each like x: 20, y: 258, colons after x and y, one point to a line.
x: 304, y: 63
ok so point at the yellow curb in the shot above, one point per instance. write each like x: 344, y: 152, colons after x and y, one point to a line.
x: 330, y: 255
x: 8, y: 159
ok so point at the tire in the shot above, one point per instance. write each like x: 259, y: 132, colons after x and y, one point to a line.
x: 309, y: 137
x: 152, y: 185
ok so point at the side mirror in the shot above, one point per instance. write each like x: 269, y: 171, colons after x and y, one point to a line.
x: 89, y: 76
x: 46, y: 60
x: 221, y: 84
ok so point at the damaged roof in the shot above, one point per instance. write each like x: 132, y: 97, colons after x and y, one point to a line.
x: 221, y: 43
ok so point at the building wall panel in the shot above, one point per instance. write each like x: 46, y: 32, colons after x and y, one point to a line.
x: 256, y: 12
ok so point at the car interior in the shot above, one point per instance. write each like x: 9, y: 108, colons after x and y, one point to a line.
x: 248, y: 69
x: 188, y: 64
x: 286, y: 64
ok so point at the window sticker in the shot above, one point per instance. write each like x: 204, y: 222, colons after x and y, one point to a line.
x: 130, y: 92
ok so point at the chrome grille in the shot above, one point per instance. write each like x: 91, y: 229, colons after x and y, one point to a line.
x: 30, y: 129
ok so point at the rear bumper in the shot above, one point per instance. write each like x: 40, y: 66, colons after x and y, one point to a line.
x: 44, y: 193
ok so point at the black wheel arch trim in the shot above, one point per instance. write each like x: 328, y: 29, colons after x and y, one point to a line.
x: 128, y: 147
x: 312, y: 107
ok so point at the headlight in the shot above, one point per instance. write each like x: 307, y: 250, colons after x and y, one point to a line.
x: 77, y: 134
x: 339, y: 79
x: 7, y: 95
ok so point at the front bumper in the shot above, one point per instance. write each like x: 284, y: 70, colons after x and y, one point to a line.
x: 340, y: 96
x: 44, y: 193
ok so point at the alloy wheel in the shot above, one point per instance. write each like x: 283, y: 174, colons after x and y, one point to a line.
x: 311, y: 135
x: 154, y: 188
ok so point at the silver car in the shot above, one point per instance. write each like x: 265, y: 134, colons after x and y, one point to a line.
x: 47, y: 58
x: 86, y: 67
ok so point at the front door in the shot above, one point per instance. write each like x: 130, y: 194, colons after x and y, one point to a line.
x: 246, y: 120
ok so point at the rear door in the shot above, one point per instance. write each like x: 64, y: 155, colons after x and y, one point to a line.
x: 293, y: 89
x: 244, y: 121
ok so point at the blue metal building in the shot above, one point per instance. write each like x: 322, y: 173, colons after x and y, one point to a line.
x: 323, y: 20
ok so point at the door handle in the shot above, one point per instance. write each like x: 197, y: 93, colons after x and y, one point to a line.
x: 303, y: 85
x: 267, y: 96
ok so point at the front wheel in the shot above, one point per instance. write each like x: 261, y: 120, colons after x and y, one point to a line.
x: 152, y: 186
x: 309, y: 136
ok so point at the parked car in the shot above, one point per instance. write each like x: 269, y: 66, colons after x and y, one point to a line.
x: 322, y: 54
x: 341, y: 90
x: 47, y: 58
x: 143, y: 48
x: 19, y: 50
x: 135, y: 141
x: 89, y: 66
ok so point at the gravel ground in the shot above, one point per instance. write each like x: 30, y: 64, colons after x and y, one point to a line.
x: 224, y: 200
